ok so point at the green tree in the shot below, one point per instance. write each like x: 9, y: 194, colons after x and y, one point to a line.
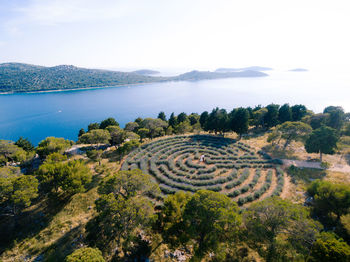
x: 170, y: 219
x: 259, y: 117
x: 55, y: 157
x: 118, y: 137
x: 132, y: 136
x: 272, y: 218
x: 318, y: 120
x: 85, y: 254
x: 210, y: 218
x: 194, y: 119
x: 346, y: 130
x: 17, y: 191
x: 162, y: 116
x: 131, y: 126
x: 336, y: 117
x: 172, y: 120
x: 181, y: 117
x: 183, y: 127
x: 112, y: 129
x: 95, y: 155
x: 128, y: 184
x: 25, y: 188
x: 284, y: 113
x: 218, y: 121
x: 81, y: 132
x: 122, y: 208
x: 156, y: 126
x: 328, y: 248
x: 203, y: 120
x: 143, y: 133
x: 273, y: 136
x: 9, y: 152
x: 6, y: 188
x: 271, y: 116
x: 330, y: 198
x: 298, y: 112
x: 293, y: 131
x: 52, y: 145
x: 108, y: 122
x: 65, y: 177
x: 96, y: 136
x: 25, y: 144
x: 322, y: 140
x: 239, y: 121
x: 127, y: 147
x: 93, y: 126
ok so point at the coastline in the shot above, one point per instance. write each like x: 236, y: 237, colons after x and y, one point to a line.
x: 77, y: 89
x: 170, y: 79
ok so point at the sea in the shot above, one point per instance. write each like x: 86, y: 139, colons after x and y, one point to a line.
x: 63, y: 113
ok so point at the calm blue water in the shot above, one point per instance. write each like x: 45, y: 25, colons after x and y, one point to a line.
x: 62, y: 114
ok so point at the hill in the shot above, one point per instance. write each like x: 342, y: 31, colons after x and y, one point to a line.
x: 298, y: 70
x: 18, y: 77
x: 146, y: 72
x: 250, y: 68
x: 200, y: 75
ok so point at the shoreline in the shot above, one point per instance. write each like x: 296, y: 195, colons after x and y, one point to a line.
x: 121, y: 85
x: 76, y: 89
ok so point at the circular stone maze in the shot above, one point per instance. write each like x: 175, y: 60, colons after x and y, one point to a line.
x: 224, y: 165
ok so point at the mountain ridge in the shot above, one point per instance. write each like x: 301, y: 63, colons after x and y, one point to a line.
x: 20, y: 77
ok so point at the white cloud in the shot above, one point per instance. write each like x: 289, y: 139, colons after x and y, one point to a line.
x: 68, y: 11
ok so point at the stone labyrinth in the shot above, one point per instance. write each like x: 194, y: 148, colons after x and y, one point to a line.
x: 230, y: 167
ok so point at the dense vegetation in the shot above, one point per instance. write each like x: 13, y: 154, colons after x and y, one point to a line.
x: 126, y: 196
x: 16, y: 77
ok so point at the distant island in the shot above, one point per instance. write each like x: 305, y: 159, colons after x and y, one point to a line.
x: 18, y: 77
x: 200, y: 75
x: 146, y: 72
x: 298, y: 70
x: 250, y: 68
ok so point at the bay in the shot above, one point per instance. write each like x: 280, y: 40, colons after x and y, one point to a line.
x: 62, y: 114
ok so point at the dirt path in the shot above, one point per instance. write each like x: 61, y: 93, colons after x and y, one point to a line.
x: 301, y: 163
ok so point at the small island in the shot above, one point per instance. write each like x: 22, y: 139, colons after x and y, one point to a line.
x: 298, y: 70
x: 250, y: 68
x: 146, y: 72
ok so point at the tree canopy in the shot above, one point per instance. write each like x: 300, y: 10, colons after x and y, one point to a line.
x: 293, y: 131
x: 9, y: 152
x: 68, y: 177
x: 52, y: 145
x: 210, y: 218
x: 330, y: 197
x: 267, y: 220
x: 123, y: 207
x: 96, y: 136
x: 85, y: 254
x: 108, y: 122
x: 322, y: 140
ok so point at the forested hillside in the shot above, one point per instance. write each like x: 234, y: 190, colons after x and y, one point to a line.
x: 17, y: 77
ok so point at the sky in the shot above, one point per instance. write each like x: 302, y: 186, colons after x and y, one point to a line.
x: 197, y: 34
